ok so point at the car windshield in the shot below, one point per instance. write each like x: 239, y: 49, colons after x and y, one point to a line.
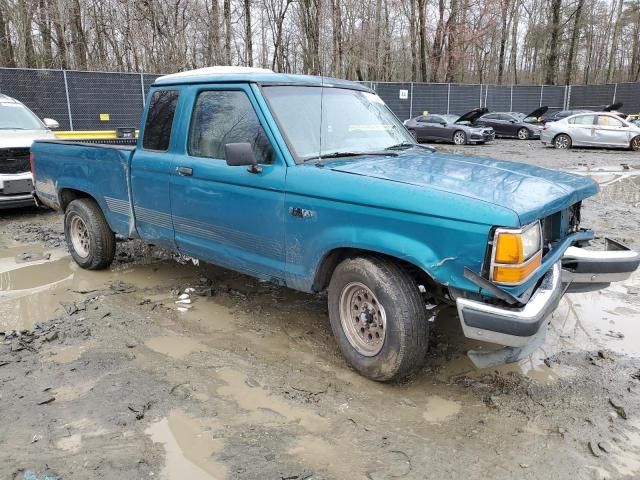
x: 17, y: 116
x: 327, y: 121
x: 450, y: 118
x: 518, y: 115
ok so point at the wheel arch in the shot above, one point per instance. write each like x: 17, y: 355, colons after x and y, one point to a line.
x: 68, y: 195
x: 561, y: 133
x: 332, y: 259
x: 453, y: 134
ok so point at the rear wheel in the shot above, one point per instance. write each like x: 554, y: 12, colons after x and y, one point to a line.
x: 523, y: 133
x: 635, y: 144
x: 378, y: 317
x: 91, y: 242
x: 562, y: 141
x: 459, y: 137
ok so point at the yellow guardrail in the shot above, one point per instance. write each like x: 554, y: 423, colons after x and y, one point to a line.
x: 88, y: 134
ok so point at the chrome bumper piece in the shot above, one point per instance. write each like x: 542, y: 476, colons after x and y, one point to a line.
x: 512, y: 327
x: 600, y: 267
x: 520, y: 328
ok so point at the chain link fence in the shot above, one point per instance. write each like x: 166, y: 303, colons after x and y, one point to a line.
x: 81, y: 100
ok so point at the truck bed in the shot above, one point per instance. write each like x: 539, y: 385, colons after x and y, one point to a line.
x: 96, y: 169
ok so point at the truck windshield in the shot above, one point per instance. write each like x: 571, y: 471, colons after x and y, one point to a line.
x: 325, y: 121
x: 16, y: 116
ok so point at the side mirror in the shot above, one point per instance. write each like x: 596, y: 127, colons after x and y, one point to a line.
x: 512, y: 121
x: 239, y: 154
x: 444, y: 124
x: 50, y: 123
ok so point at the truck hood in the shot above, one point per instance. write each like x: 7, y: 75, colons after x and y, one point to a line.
x: 15, y: 138
x: 531, y: 192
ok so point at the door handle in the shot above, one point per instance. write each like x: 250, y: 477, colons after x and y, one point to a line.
x: 184, y: 171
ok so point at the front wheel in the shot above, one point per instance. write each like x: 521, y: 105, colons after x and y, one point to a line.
x: 91, y: 242
x: 562, y: 141
x: 459, y: 137
x: 378, y: 317
x: 523, y: 134
x: 635, y: 144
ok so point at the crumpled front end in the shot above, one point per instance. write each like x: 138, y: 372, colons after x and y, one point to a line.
x: 516, y: 315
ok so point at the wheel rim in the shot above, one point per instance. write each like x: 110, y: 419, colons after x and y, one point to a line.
x: 562, y: 142
x: 636, y: 143
x: 363, y: 319
x: 523, y: 134
x: 458, y: 138
x: 79, y: 234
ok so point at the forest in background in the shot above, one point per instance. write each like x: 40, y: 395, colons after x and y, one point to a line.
x: 466, y: 41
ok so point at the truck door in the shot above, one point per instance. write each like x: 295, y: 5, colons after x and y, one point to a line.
x: 226, y: 214
x: 152, y: 169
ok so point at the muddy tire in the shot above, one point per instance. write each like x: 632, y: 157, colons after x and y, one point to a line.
x: 91, y: 242
x: 378, y: 318
x: 523, y: 134
x: 635, y: 144
x: 459, y: 137
x: 562, y: 141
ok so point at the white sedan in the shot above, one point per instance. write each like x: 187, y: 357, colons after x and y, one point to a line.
x: 593, y: 129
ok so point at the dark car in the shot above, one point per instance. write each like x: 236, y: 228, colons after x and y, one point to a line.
x: 450, y: 128
x: 511, y: 124
x: 535, y: 117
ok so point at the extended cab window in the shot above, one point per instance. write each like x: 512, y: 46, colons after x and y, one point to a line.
x: 221, y: 117
x: 157, y: 128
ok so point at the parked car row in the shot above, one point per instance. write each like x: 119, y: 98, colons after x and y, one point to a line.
x: 562, y: 129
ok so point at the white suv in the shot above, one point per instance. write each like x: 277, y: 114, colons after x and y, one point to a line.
x: 19, y: 127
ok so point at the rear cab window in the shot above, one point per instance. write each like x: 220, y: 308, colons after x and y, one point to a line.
x: 159, y: 122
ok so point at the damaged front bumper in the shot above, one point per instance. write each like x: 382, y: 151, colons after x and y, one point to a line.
x: 521, y: 329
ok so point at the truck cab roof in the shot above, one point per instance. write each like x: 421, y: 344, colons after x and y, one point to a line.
x: 261, y: 76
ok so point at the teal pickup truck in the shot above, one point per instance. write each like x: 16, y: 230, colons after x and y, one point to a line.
x: 312, y: 183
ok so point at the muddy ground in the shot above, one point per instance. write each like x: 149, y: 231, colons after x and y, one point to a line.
x: 104, y: 376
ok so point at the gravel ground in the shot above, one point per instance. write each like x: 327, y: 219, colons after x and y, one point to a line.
x: 104, y: 376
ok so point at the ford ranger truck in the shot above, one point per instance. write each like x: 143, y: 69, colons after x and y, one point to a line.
x: 312, y: 183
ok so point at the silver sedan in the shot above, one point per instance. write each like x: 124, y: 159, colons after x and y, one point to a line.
x: 594, y: 129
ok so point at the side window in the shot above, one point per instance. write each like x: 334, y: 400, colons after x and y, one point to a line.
x: 582, y: 120
x: 435, y: 119
x: 157, y: 127
x: 504, y: 117
x: 491, y: 116
x: 428, y: 119
x: 221, y: 117
x: 606, y: 120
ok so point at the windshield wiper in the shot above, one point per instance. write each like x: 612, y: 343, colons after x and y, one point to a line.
x: 350, y: 154
x: 398, y: 146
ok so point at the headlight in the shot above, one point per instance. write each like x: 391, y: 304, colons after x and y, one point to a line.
x: 516, y: 254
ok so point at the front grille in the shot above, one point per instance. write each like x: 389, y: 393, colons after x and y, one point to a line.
x: 14, y: 160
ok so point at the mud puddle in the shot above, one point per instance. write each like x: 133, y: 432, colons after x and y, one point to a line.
x: 190, y: 447
x: 35, y: 291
